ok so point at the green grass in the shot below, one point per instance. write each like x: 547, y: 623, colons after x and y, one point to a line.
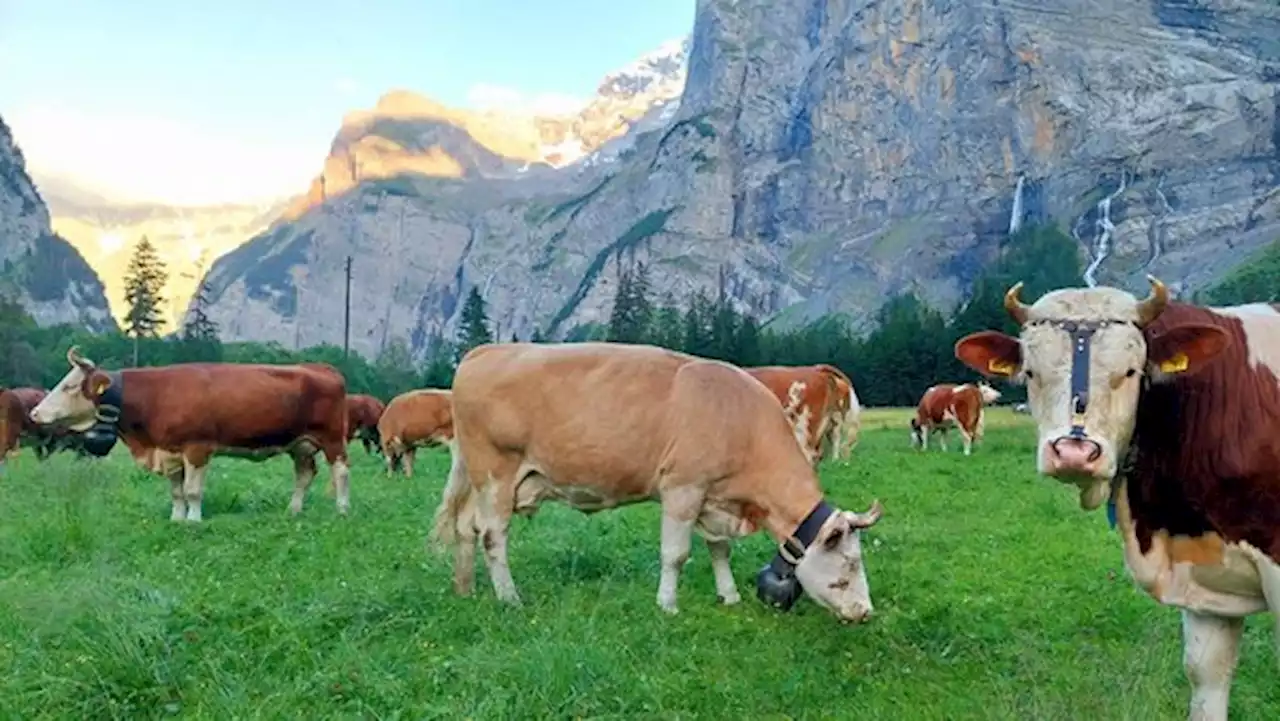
x: 996, y: 598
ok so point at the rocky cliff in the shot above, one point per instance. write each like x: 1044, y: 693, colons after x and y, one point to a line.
x: 188, y: 239
x: 52, y: 281
x: 825, y: 154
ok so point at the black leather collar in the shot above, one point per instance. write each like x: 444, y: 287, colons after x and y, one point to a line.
x: 792, y: 549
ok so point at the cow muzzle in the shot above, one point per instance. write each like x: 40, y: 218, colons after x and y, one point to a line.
x: 777, y: 590
x: 1073, y: 455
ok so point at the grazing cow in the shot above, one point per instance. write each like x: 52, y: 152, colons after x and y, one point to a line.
x: 45, y: 440
x: 412, y: 420
x: 363, y: 412
x: 175, y: 418
x: 1169, y: 413
x: 945, y: 406
x: 601, y: 425
x: 815, y: 400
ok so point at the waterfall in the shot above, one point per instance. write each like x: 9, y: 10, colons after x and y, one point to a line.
x: 1015, y: 215
x: 1102, y: 240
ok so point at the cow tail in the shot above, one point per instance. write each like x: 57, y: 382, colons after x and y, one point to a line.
x: 457, y: 493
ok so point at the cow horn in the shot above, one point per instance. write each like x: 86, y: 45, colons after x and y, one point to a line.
x: 868, y: 519
x: 75, y: 359
x: 1154, y: 304
x: 1014, y: 305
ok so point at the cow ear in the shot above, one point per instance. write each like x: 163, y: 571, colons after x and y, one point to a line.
x: 100, y: 384
x: 991, y: 353
x: 1186, y: 349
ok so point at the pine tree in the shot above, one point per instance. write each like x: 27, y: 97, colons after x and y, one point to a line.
x: 144, y: 282
x: 473, y: 328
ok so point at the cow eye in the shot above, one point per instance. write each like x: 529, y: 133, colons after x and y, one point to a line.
x: 833, y: 541
x: 1030, y: 375
x: 1131, y: 373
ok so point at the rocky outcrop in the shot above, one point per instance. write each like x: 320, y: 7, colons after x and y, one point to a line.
x: 187, y: 239
x: 51, y: 280
x: 826, y: 154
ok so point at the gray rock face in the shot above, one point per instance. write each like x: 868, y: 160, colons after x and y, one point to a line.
x: 51, y: 279
x: 825, y: 154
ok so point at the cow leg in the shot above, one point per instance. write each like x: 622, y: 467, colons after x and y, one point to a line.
x: 967, y: 440
x: 304, y: 471
x: 193, y: 485
x: 942, y: 439
x: 726, y: 589
x: 497, y: 505
x: 1210, y: 649
x: 177, y: 493
x: 406, y: 461
x: 680, y: 509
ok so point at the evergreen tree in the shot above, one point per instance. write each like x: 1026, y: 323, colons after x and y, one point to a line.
x: 746, y: 344
x: 632, y: 314
x: 144, y: 282
x: 667, y: 327
x: 473, y: 328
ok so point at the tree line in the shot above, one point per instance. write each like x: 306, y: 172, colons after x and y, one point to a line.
x: 909, y: 349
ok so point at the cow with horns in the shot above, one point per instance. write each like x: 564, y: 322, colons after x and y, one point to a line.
x: 1168, y: 413
x: 175, y: 418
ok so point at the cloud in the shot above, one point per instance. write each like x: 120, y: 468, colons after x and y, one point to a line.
x: 483, y: 96
x: 150, y: 158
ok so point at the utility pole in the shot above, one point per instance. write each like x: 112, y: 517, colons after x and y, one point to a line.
x: 346, y: 321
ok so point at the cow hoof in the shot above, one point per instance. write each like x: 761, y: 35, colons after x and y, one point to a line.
x: 729, y: 600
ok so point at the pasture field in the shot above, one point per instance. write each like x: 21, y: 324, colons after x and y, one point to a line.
x: 995, y: 597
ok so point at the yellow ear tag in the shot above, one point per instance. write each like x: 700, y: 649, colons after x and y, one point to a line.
x: 101, y: 386
x: 995, y: 365
x: 1176, y: 364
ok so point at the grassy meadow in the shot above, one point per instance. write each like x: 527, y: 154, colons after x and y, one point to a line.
x: 995, y: 597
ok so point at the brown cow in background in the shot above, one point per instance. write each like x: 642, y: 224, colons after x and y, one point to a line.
x: 363, y: 412
x: 418, y: 418
x: 175, y: 418
x: 815, y: 400
x: 12, y: 417
x: 947, y: 405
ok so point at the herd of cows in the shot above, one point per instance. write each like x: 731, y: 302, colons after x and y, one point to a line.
x: 1167, y: 413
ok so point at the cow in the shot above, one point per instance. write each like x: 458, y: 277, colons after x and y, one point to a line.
x: 363, y: 412
x: 44, y: 440
x: 412, y: 420
x: 174, y: 418
x: 945, y: 406
x: 1170, y: 414
x: 601, y: 425
x: 815, y: 400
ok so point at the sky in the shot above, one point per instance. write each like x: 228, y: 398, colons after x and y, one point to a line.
x: 192, y: 102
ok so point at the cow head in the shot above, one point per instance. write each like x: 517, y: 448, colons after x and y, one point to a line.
x: 73, y: 402
x: 989, y: 395
x: 1083, y: 356
x: 830, y: 570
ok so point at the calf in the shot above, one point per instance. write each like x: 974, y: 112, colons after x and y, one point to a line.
x: 363, y: 412
x: 175, y: 418
x: 815, y: 400
x: 412, y: 420
x: 601, y: 425
x: 945, y: 406
x: 1170, y: 414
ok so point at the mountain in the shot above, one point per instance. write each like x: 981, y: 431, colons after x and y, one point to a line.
x: 822, y: 156
x: 188, y: 239
x: 51, y: 280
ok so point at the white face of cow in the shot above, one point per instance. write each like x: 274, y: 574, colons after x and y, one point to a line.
x: 989, y: 395
x: 832, y: 572
x: 69, y: 403
x: 1084, y: 448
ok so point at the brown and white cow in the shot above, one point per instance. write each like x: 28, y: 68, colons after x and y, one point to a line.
x: 175, y: 418
x: 44, y: 440
x: 363, y: 412
x: 1169, y: 413
x: 415, y: 419
x: 945, y: 406
x: 601, y: 425
x: 816, y: 401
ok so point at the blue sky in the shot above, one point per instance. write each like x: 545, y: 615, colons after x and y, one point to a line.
x: 165, y: 98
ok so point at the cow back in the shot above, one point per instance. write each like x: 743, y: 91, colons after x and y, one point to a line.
x: 418, y: 416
